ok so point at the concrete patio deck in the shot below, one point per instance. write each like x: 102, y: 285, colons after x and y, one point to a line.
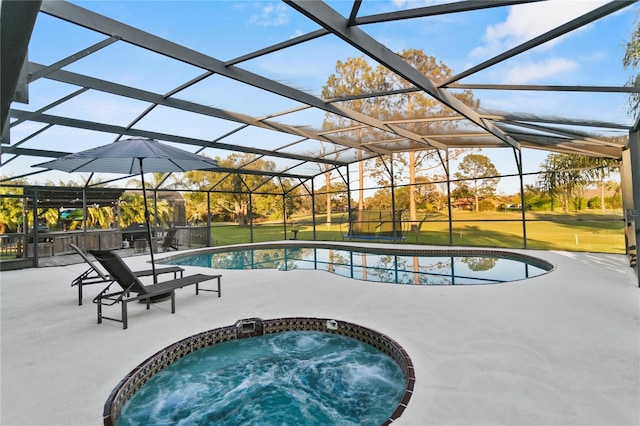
x: 561, y: 349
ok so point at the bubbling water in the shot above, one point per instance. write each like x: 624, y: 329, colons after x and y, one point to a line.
x: 289, y: 378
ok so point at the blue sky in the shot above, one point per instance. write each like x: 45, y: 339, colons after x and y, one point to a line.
x: 228, y: 29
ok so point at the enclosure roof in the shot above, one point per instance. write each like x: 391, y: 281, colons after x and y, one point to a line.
x: 218, y: 78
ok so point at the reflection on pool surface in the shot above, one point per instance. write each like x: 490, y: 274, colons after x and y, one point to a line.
x: 395, y: 266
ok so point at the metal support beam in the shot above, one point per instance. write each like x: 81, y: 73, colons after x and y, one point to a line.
x: 328, y: 18
x: 523, y: 207
x: 155, y: 217
x: 632, y: 211
x: 450, y: 213
x: 17, y: 19
x: 393, y: 199
x: 96, y: 22
x: 438, y: 9
x: 250, y: 218
x: 284, y: 215
x: 348, y: 199
x: 108, y: 128
x: 587, y: 18
x: 171, y: 102
x: 44, y: 71
x: 85, y: 215
x: 313, y: 209
x: 35, y: 230
x: 208, y: 220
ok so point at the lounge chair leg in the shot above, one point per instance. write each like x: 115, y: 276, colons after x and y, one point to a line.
x: 80, y: 293
x: 124, y: 315
x: 219, y: 290
x: 99, y: 311
x: 173, y: 301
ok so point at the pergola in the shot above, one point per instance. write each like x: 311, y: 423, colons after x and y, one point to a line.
x: 44, y: 113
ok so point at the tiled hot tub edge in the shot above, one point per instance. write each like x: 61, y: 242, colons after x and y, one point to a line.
x: 249, y: 328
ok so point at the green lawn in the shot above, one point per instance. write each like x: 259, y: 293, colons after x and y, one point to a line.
x: 577, y: 231
x: 591, y: 231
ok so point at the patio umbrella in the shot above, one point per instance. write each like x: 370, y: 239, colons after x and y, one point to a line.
x: 133, y: 156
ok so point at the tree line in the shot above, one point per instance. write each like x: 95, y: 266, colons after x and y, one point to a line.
x: 561, y: 183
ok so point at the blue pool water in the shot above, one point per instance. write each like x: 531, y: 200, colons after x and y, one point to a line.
x: 288, y: 378
x: 400, y: 268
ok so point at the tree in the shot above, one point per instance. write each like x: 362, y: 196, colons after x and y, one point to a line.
x: 380, y: 171
x: 60, y: 182
x: 598, y: 169
x: 331, y: 198
x: 162, y: 208
x: 355, y: 76
x: 616, y: 198
x: 482, y: 172
x: 409, y: 110
x: 631, y: 60
x: 535, y: 198
x: 231, y: 191
x: 480, y: 263
x: 100, y: 217
x: 418, y: 106
x: 380, y: 200
x: 428, y: 195
x: 292, y: 200
x: 196, y: 202
x: 564, y: 175
x: 327, y: 168
x: 132, y: 210
x: 10, y: 207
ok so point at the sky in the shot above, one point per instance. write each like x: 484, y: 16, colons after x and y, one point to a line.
x: 229, y: 29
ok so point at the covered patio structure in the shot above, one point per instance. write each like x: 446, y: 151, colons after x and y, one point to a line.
x: 561, y: 348
x: 310, y: 136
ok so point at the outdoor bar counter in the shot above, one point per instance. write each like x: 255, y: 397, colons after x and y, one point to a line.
x: 56, y: 243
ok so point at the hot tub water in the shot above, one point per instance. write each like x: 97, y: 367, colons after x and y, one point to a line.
x: 296, y: 377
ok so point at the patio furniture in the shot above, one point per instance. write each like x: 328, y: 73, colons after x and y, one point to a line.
x: 94, y: 275
x: 133, y: 290
x: 170, y: 240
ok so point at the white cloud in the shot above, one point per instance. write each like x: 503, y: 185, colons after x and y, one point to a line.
x: 270, y: 15
x: 525, y: 73
x: 527, y: 21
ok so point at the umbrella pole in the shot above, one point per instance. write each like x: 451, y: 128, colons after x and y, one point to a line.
x: 147, y: 220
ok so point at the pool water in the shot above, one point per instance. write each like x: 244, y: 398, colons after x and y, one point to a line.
x: 399, y: 268
x: 287, y: 378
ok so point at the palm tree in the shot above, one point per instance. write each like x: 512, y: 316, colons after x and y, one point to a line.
x: 161, y: 208
x: 10, y: 213
x: 562, y: 177
x: 131, y: 209
x: 600, y: 169
x: 11, y: 208
x: 100, y: 217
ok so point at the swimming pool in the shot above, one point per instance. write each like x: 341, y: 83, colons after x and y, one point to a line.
x: 280, y: 371
x: 386, y: 265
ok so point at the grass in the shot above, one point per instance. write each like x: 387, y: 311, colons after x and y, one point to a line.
x: 591, y: 231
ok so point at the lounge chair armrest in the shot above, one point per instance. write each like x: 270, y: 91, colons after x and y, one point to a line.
x: 113, y: 298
